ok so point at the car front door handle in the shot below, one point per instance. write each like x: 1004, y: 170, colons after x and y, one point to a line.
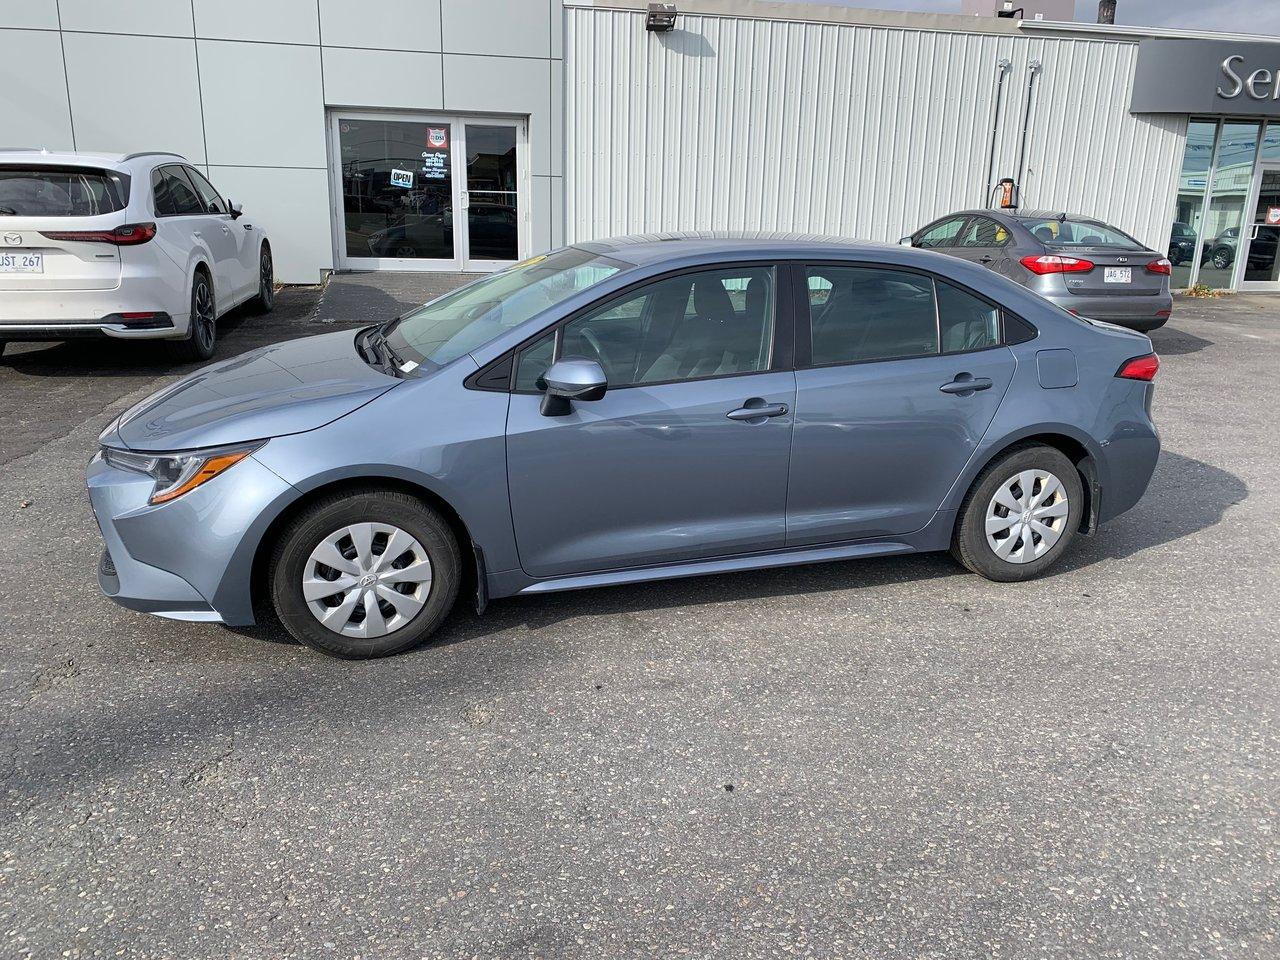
x: 964, y: 384
x: 985, y: 259
x: 756, y: 410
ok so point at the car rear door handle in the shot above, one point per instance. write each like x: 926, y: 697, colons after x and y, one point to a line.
x: 756, y: 410
x: 964, y: 384
x: 985, y: 259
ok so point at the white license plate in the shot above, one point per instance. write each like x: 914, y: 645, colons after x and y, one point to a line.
x: 1117, y: 275
x: 21, y: 263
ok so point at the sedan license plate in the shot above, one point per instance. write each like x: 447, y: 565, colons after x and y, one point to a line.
x: 1117, y: 275
x: 21, y: 263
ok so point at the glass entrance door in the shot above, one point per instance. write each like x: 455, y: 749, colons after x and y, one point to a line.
x: 419, y: 192
x: 1261, y: 264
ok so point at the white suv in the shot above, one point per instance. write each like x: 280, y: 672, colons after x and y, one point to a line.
x: 136, y: 247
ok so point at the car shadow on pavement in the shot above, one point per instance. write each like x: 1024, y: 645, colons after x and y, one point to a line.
x: 1172, y: 342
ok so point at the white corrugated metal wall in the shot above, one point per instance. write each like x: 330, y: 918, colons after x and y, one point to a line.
x: 862, y: 131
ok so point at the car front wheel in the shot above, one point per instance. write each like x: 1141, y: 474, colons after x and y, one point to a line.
x: 265, y: 301
x: 365, y: 573
x: 1020, y: 515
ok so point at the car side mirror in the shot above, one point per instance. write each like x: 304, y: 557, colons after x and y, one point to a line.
x: 905, y: 242
x: 568, y: 380
x: 237, y: 211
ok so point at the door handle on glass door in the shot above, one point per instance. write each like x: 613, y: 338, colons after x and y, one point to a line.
x: 756, y: 410
x: 965, y: 384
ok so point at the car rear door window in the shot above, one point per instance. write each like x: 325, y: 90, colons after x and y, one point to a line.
x: 942, y: 234
x: 984, y: 232
x: 965, y: 322
x: 871, y: 313
x: 174, y: 194
x: 691, y: 326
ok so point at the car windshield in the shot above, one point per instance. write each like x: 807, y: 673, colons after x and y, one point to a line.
x: 60, y: 192
x: 1079, y: 233
x: 471, y: 316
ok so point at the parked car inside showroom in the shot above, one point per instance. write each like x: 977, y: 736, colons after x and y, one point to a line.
x: 134, y: 247
x: 624, y: 411
x: 1085, y: 266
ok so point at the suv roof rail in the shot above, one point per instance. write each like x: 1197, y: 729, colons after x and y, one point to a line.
x: 154, y: 153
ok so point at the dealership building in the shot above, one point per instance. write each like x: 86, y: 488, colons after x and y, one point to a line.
x: 465, y: 134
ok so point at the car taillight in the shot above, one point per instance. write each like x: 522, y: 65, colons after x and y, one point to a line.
x: 1140, y: 368
x: 1051, y: 264
x: 126, y: 236
x: 1160, y: 266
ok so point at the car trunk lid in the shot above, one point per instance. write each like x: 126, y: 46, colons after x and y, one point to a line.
x: 1116, y: 271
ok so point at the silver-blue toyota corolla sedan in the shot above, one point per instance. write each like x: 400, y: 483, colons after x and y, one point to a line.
x: 622, y: 411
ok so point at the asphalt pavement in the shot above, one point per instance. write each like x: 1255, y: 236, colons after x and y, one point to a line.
x: 872, y: 759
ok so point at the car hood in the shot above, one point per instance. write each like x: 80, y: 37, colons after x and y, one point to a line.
x: 285, y: 388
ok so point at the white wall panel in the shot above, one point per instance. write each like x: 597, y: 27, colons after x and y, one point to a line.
x: 509, y: 85
x: 861, y: 131
x: 382, y: 78
x: 278, y: 21
x: 541, y: 219
x: 496, y: 27
x: 31, y: 62
x: 35, y: 14
x: 263, y: 104
x: 388, y: 24
x: 132, y: 111
x: 293, y: 207
x: 165, y: 18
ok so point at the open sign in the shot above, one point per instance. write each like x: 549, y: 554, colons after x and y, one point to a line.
x: 402, y: 178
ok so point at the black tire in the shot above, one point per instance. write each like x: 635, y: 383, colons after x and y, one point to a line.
x: 3, y: 344
x: 265, y: 301
x: 322, y: 519
x: 1221, y: 258
x: 202, y: 334
x: 969, y: 543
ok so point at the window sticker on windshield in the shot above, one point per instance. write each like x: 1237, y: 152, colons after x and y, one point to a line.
x: 402, y: 178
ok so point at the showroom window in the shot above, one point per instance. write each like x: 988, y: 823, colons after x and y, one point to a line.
x: 1220, y: 218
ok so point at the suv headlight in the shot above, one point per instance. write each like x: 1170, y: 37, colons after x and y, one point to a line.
x: 179, y: 473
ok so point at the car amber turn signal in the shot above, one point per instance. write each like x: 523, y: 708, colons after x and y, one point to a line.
x: 194, y: 472
x: 1051, y: 264
x: 1140, y: 368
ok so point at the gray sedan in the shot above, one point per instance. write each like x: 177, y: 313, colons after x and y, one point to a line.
x: 624, y: 411
x: 1083, y: 265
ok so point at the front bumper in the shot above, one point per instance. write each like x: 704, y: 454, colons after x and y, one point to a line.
x: 190, y: 558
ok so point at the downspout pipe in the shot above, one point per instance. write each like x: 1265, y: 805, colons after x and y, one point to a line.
x: 1003, y: 67
x: 1033, y: 68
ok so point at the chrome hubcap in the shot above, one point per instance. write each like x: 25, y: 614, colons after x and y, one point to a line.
x: 366, y: 580
x: 1027, y: 516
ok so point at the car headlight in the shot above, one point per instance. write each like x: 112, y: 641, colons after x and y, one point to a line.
x: 179, y: 473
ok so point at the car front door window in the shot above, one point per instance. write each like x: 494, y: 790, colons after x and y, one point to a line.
x: 941, y: 234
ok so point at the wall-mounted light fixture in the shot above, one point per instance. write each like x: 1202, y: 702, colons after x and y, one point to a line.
x: 661, y: 18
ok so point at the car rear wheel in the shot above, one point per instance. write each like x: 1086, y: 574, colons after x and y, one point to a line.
x: 1020, y: 515
x: 1221, y: 258
x: 365, y: 574
x: 265, y: 301
x: 202, y: 334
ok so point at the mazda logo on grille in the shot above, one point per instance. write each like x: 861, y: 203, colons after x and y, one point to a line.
x: 13, y: 239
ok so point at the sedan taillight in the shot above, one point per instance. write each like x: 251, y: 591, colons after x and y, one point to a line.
x: 128, y: 235
x: 1140, y: 368
x: 1160, y: 266
x: 1051, y: 264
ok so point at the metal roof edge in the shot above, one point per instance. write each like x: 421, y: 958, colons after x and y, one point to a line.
x: 1132, y: 32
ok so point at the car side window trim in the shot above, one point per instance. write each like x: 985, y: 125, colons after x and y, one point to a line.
x: 197, y: 178
x: 803, y: 320
x: 963, y: 219
x: 176, y: 171
x: 782, y: 351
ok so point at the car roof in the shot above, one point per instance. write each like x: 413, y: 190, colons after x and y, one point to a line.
x: 651, y: 248
x: 77, y: 158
